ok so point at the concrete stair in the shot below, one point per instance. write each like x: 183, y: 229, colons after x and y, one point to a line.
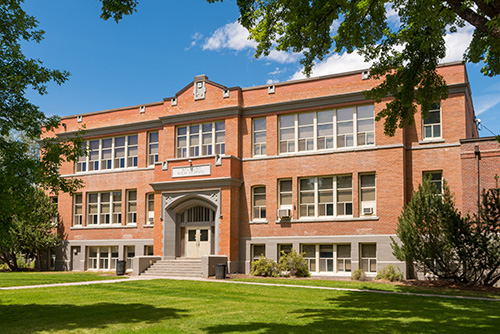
x: 177, y: 267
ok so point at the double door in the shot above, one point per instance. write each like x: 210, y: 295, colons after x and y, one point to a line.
x: 197, y: 241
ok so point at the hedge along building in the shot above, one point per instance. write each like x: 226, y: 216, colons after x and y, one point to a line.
x: 243, y: 172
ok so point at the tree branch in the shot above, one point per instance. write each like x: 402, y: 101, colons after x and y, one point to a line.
x: 478, y: 21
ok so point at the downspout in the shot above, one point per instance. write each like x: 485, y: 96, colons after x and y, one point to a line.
x: 478, y: 156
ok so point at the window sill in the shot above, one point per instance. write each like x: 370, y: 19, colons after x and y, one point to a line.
x: 327, y: 219
x: 108, y: 171
x: 148, y: 225
x: 97, y: 227
x: 258, y: 222
x: 431, y: 141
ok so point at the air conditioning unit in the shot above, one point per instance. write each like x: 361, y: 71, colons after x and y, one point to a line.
x: 284, y: 213
x: 368, y: 211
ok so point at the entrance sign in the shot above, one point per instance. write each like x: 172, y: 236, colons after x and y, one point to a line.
x: 190, y: 171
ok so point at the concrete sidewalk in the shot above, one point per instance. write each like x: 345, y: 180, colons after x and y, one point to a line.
x: 213, y: 280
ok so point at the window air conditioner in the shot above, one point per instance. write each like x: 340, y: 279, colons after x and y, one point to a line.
x: 284, y: 213
x: 368, y: 211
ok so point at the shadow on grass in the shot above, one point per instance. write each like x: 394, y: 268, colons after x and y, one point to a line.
x: 372, y: 313
x: 33, y: 318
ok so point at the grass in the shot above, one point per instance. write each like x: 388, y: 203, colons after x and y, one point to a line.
x: 163, y: 306
x: 34, y: 278
x: 377, y: 286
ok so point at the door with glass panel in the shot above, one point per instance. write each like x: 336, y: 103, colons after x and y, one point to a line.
x: 197, y: 242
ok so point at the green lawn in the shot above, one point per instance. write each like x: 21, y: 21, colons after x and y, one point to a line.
x: 375, y: 286
x: 163, y: 306
x: 34, y: 278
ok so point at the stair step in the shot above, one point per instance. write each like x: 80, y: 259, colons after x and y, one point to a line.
x: 178, y: 267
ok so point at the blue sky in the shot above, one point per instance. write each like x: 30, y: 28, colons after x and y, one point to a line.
x: 158, y: 50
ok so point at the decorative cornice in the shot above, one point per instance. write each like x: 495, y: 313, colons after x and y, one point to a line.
x: 114, y: 129
x: 198, y: 183
x: 201, y: 115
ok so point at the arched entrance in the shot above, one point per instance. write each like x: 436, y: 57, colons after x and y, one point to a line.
x: 197, y: 231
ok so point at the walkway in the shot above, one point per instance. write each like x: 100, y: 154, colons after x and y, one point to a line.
x: 133, y: 279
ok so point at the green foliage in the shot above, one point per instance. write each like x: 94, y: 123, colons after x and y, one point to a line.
x: 404, y: 55
x: 435, y: 236
x: 390, y: 273
x: 22, y: 123
x: 293, y: 264
x: 264, y: 267
x: 358, y: 275
x: 32, y: 231
x: 116, y: 9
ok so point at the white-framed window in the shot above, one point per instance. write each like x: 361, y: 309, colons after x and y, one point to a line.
x: 432, y: 123
x: 132, y: 206
x: 285, y: 194
x: 343, y: 258
x: 150, y: 209
x: 152, y: 148
x: 109, y: 153
x: 102, y: 258
x: 329, y: 129
x: 200, y: 139
x: 366, y: 125
x: 369, y: 258
x: 130, y: 251
x: 318, y: 196
x: 258, y: 251
x: 327, y: 258
x: 259, y: 203
x: 104, y: 208
x: 259, y: 136
x: 78, y: 210
x: 436, y: 179
x: 367, y: 194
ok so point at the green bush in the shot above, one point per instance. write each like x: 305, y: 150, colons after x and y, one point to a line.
x: 390, y: 273
x: 264, y: 267
x: 358, y: 275
x: 293, y: 264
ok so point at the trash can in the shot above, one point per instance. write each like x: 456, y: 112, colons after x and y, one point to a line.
x: 220, y: 271
x: 120, y: 267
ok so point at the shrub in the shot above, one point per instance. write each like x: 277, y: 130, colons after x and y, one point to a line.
x: 390, y: 273
x: 293, y: 264
x: 264, y: 267
x: 358, y: 275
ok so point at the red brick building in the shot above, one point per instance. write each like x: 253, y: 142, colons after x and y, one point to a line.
x: 239, y: 172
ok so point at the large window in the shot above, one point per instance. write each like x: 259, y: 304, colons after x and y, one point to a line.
x: 367, y: 194
x: 201, y: 140
x: 328, y: 258
x: 259, y: 136
x: 150, y: 209
x: 258, y: 251
x: 109, y: 153
x: 130, y: 251
x: 285, y: 191
x: 103, y: 208
x: 78, y: 209
x: 318, y: 196
x: 102, y: 258
x: 131, y: 206
x: 329, y: 129
x: 152, y: 148
x: 432, y: 124
x: 369, y: 258
x: 259, y: 203
x: 436, y: 180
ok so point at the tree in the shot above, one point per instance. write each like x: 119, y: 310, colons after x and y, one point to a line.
x: 435, y: 236
x: 32, y: 232
x: 22, y: 121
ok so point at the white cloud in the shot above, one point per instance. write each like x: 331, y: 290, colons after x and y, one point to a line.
x: 195, y: 38
x: 271, y: 81
x: 230, y: 36
x: 233, y: 36
x: 336, y: 64
x: 457, y: 43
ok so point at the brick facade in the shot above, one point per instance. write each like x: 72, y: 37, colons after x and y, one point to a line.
x: 223, y: 183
